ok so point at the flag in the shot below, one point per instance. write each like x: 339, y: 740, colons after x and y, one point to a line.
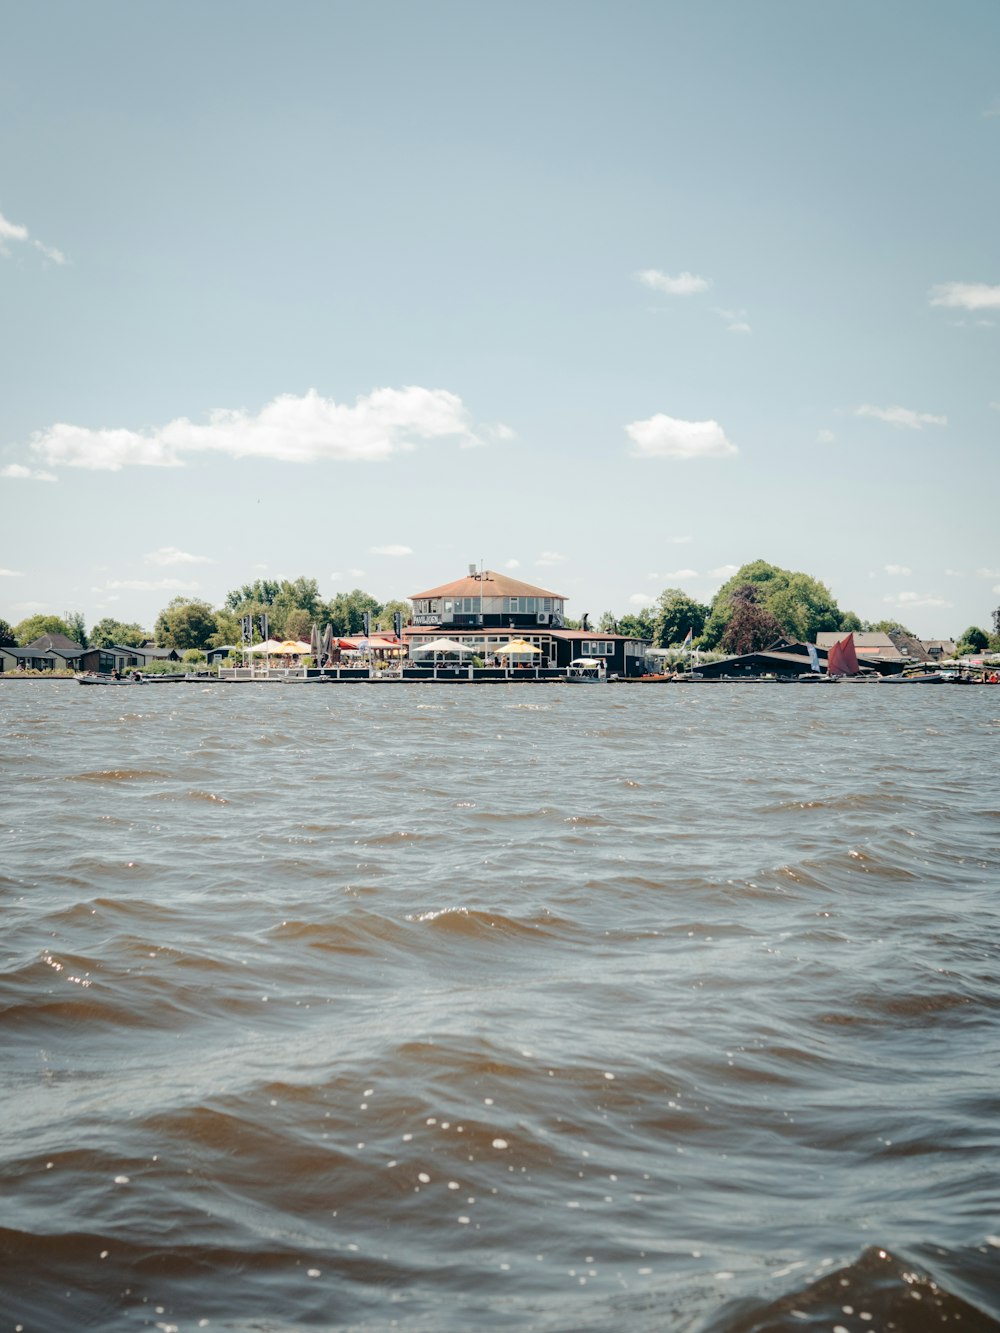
x: 688, y: 639
x: 813, y: 657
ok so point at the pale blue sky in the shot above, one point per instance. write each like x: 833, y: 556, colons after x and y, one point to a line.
x: 626, y: 293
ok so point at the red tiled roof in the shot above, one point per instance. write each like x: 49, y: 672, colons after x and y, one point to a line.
x: 493, y: 585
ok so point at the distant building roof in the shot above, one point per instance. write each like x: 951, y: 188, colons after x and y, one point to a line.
x: 57, y: 643
x: 492, y: 585
x: 867, y: 643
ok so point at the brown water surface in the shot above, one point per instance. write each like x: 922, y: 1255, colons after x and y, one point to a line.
x: 534, y: 1008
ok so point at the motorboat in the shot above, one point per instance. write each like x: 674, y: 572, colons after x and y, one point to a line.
x: 585, y: 671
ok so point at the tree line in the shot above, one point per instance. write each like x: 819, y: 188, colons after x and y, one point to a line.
x: 760, y: 605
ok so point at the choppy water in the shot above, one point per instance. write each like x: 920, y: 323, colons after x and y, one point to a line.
x: 470, y: 1008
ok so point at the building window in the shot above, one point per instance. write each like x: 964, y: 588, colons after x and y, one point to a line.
x: 596, y: 648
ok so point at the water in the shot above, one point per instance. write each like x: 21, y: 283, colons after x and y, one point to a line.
x: 458, y: 1008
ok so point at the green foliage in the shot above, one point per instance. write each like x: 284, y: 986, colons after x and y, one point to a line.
x: 77, y: 627
x: 157, y: 667
x: 801, y: 606
x: 298, y: 624
x: 193, y: 655
x: 291, y: 606
x: 185, y: 623
x: 228, y: 632
x: 676, y: 613
x: 27, y: 631
x: 974, y: 640
x: 850, y: 623
x: 607, y: 623
x: 108, y: 632
x: 885, y: 627
x: 8, y: 639
x: 383, y: 622
x: 345, y: 612
x: 261, y: 592
x: 751, y: 627
x: 638, y: 625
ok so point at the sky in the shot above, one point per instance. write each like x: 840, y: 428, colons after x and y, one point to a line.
x: 614, y: 297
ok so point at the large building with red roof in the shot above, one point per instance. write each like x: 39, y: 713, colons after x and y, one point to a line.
x: 486, y: 610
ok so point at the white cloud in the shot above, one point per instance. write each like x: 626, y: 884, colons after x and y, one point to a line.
x: 390, y: 550
x: 897, y: 569
x: 724, y: 571
x: 675, y: 574
x: 641, y: 599
x: 736, y: 320
x: 988, y: 573
x: 289, y: 428
x: 13, y: 231
x: 350, y: 574
x: 966, y: 295
x: 900, y: 416
x: 825, y: 437
x: 512, y: 564
x: 907, y: 600
x: 685, y: 284
x: 10, y: 231
x: 11, y: 574
x: 549, y: 558
x: 170, y: 555
x: 677, y: 541
x: 18, y: 472
x: 501, y: 432
x: 150, y: 585
x: 667, y: 437
x: 50, y: 252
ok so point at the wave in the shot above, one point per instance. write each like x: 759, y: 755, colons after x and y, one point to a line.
x: 879, y: 1291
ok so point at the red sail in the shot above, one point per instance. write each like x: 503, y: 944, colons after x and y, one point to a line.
x: 849, y: 657
x: 835, y: 661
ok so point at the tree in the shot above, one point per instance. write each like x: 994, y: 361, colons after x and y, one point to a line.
x: 384, y: 622
x: 185, y: 624
x: 675, y: 614
x: 886, y: 627
x: 800, y: 604
x: 228, y: 630
x: 107, y: 632
x: 261, y: 592
x: 607, y: 623
x: 77, y: 627
x: 638, y: 624
x: 974, y: 640
x: 8, y: 639
x: 751, y: 627
x: 27, y: 631
x: 288, y: 593
x: 298, y: 624
x: 850, y: 623
x: 345, y: 612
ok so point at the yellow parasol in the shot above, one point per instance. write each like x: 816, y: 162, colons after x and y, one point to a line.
x: 517, y: 646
